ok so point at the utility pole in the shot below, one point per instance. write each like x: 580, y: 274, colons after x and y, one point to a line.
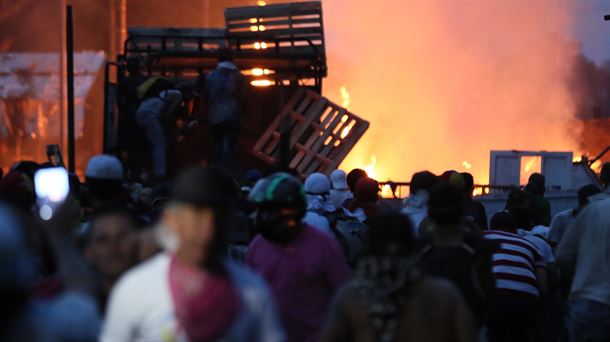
x: 70, y: 86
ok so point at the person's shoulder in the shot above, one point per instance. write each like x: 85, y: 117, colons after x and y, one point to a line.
x: 251, y: 286
x: 312, y: 233
x: 145, y: 273
x: 564, y: 214
x: 436, y: 287
x: 243, y: 275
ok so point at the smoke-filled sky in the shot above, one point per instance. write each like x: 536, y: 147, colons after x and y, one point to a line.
x: 444, y: 83
x: 591, y: 30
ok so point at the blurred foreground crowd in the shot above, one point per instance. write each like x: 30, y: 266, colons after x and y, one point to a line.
x: 270, y: 258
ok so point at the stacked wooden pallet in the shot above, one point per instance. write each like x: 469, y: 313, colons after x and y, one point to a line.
x: 321, y: 134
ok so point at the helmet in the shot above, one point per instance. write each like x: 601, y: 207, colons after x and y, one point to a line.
x: 279, y: 190
x: 271, y: 196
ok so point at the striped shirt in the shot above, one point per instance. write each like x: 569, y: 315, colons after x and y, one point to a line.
x: 514, y: 263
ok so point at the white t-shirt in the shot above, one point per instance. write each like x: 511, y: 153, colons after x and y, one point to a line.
x: 543, y: 247
x: 560, y: 224
x: 141, y: 307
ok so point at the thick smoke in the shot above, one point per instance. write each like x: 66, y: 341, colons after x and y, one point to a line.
x: 446, y: 82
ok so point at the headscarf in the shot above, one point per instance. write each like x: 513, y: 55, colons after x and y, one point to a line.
x: 317, y: 189
x: 205, y: 303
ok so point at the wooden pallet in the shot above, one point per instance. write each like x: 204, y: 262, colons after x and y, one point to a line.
x: 298, y: 26
x: 321, y: 134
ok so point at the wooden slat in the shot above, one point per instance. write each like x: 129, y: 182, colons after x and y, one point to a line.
x: 268, y: 23
x: 304, y: 32
x: 277, y: 10
x: 295, y: 115
x: 276, y: 122
x: 312, y: 139
x: 309, y: 153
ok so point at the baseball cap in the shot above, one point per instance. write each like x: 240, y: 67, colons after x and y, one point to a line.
x: 317, y: 184
x: 104, y: 167
x: 338, y: 179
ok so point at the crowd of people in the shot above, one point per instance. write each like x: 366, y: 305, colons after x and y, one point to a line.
x: 273, y: 258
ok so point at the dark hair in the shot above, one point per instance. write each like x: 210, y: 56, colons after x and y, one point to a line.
x: 536, y: 183
x: 504, y: 220
x: 424, y: 180
x: 225, y: 55
x: 353, y: 177
x: 519, y: 203
x: 446, y: 204
x: 367, y: 190
x: 604, y: 175
x: 585, y: 192
x: 468, y: 182
x: 388, y: 228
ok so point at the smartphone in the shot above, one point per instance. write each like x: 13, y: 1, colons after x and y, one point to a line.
x: 52, y: 187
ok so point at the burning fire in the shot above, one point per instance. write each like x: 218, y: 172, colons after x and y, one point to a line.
x: 444, y: 96
x: 597, y: 166
x: 345, y: 98
x: 370, y: 168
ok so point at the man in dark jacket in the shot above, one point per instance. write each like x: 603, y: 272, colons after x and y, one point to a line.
x: 224, y: 94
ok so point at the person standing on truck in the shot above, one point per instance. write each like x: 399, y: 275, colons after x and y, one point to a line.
x: 224, y: 95
x: 160, y: 102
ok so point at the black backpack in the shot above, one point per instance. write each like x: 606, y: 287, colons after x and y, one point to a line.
x: 467, y: 266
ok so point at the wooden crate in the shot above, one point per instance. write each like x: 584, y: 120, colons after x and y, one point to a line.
x: 321, y: 134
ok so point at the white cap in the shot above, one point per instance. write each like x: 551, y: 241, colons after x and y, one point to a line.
x: 317, y: 184
x: 104, y: 167
x: 338, y: 179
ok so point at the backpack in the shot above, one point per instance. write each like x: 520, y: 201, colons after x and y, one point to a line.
x: 467, y: 266
x: 351, y: 234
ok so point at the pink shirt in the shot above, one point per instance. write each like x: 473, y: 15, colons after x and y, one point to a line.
x: 303, y: 277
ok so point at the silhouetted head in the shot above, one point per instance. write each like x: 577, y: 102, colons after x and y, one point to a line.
x: 468, y: 183
x: 390, y: 233
x: 353, y: 177
x: 225, y: 55
x: 536, y: 183
x: 446, y: 205
x: 504, y: 221
x: 519, y: 203
x: 453, y: 177
x: 585, y: 192
x: 424, y: 180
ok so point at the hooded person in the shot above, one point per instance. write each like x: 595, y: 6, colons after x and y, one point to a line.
x: 192, y: 292
x: 339, y: 191
x: 317, y: 190
x: 302, y: 265
x: 415, y: 207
